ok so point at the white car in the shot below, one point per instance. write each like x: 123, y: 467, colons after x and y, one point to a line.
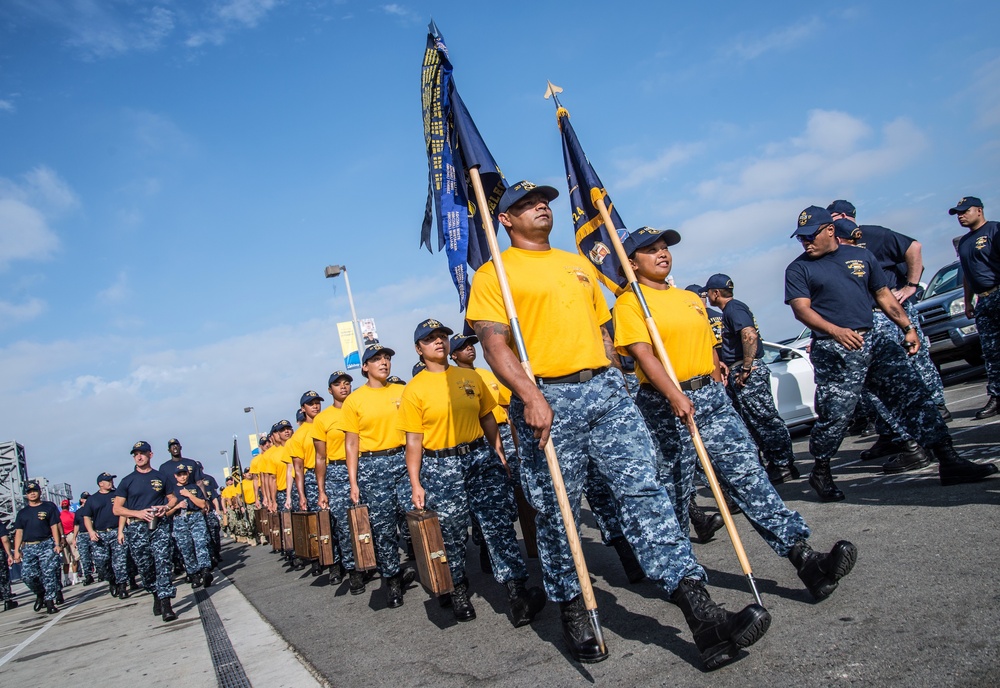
x: 792, y: 383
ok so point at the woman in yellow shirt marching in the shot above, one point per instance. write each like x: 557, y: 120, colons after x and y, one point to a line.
x: 455, y: 461
x: 376, y: 468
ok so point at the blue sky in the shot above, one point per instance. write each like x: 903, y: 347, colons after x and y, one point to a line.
x: 174, y: 176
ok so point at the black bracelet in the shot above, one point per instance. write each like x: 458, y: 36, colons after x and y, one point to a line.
x: 911, y: 284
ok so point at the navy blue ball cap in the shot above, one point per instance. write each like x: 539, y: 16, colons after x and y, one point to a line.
x: 460, y: 340
x: 172, y: 441
x: 308, y: 397
x: 425, y: 328
x: 697, y: 289
x: 842, y: 206
x: 141, y: 446
x: 32, y: 486
x: 417, y: 367
x: 719, y: 281
x: 811, y: 219
x: 374, y: 350
x: 644, y: 236
x: 964, y: 204
x: 300, y: 416
x: 395, y: 380
x: 846, y: 229
x: 182, y: 468
x: 281, y: 425
x: 84, y: 495
x: 515, y: 193
x: 336, y: 375
x: 105, y: 476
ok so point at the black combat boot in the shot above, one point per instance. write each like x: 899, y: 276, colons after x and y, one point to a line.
x: 884, y: 446
x: 168, y: 611
x: 337, y: 574
x: 123, y: 592
x: 357, y: 582
x: 704, y: 525
x: 945, y: 413
x: 39, y: 602
x: 579, y: 633
x: 195, y: 580
x: 821, y: 572
x: 779, y: 474
x: 394, y: 591
x: 633, y: 571
x: 88, y: 580
x: 50, y: 607
x: 717, y: 632
x: 9, y: 604
x: 59, y: 597
x: 911, y: 457
x: 991, y: 409
x: 525, y: 603
x: 157, y: 606
x: 132, y: 584
x: 461, y: 605
x: 408, y: 573
x: 206, y: 577
x: 113, y: 588
x: 954, y: 470
x: 821, y: 480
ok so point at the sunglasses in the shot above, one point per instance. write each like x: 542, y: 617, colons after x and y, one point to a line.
x: 808, y: 238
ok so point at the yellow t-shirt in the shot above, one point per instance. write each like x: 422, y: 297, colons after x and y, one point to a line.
x: 324, y: 429
x: 683, y: 325
x: 249, y: 494
x: 280, y: 458
x: 371, y: 414
x: 229, y: 491
x: 559, y: 305
x: 445, y: 407
x: 500, y: 393
x: 263, y: 461
x: 300, y: 445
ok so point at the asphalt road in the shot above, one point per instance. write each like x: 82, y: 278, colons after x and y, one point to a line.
x: 920, y: 608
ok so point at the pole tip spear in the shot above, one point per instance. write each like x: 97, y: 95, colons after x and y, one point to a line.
x: 552, y: 90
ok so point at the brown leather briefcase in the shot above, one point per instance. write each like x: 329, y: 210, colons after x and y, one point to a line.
x: 305, y: 535
x: 362, y: 539
x: 428, y: 546
x: 325, y: 539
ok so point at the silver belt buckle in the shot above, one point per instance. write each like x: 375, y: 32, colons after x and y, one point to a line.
x: 586, y: 375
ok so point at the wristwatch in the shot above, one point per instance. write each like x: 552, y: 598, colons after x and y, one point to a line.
x: 909, y: 328
x: 913, y: 284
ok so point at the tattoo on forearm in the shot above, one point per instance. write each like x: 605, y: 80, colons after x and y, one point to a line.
x: 749, y: 337
x: 609, y: 348
x: 485, y: 329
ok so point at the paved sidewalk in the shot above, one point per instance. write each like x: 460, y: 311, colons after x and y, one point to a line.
x: 218, y: 639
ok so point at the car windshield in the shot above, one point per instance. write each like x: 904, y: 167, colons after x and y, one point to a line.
x: 947, y: 279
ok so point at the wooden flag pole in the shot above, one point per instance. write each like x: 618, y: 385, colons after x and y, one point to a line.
x: 572, y: 536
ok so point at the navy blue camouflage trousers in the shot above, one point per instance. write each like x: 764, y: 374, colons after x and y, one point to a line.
x: 597, y: 420
x: 5, y: 592
x: 311, y: 488
x: 385, y: 488
x: 338, y: 493
x: 988, y: 324
x: 476, y: 482
x: 880, y: 365
x: 110, y: 558
x: 40, y: 567
x: 602, y: 505
x: 734, y: 458
x: 151, y: 551
x: 192, y: 538
x: 755, y: 404
x: 214, y: 526
x: 83, y: 547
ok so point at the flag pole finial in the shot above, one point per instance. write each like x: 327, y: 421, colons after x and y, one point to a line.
x: 551, y: 91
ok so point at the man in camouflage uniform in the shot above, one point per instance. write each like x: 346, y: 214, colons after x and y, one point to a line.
x: 6, y: 555
x: 579, y: 400
x: 83, y: 543
x: 110, y: 556
x: 38, y: 546
x: 141, y: 499
x: 832, y: 289
x: 980, y: 256
x: 750, y: 380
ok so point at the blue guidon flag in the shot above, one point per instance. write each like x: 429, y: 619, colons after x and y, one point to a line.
x: 585, y: 188
x: 453, y: 147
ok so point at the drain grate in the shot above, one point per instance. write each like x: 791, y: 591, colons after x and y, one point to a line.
x: 228, y: 670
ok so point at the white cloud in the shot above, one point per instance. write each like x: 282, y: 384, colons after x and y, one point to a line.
x: 780, y: 39
x: 6, y: 106
x: 829, y: 153
x: 116, y: 292
x: 400, y: 11
x: 25, y: 209
x: 20, y: 312
x: 227, y: 17
x: 638, y: 172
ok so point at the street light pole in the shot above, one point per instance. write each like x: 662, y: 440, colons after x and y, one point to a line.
x: 225, y: 453
x: 250, y: 409
x: 333, y: 271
